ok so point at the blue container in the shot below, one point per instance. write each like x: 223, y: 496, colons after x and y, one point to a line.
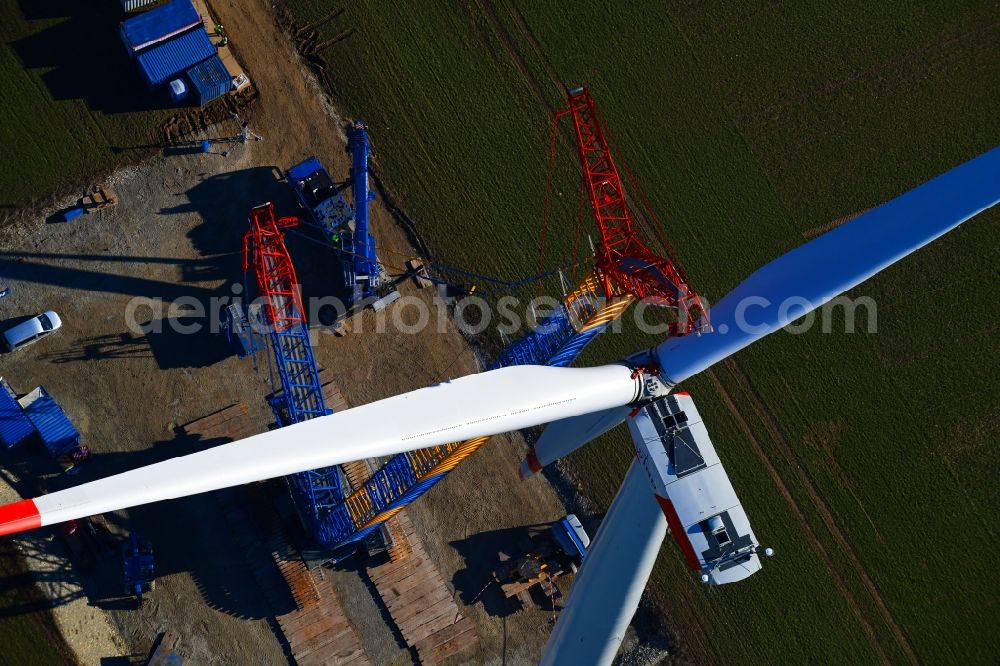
x: 209, y: 80
x: 163, y: 62
x: 15, y: 427
x: 158, y: 25
x: 53, y: 426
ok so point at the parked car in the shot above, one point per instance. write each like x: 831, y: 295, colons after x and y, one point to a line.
x: 26, y: 332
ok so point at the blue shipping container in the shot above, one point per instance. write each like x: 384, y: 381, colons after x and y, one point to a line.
x: 209, y: 80
x: 158, y: 25
x: 163, y: 62
x: 53, y: 426
x: 15, y: 427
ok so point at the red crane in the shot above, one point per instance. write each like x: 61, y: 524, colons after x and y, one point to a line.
x: 264, y: 250
x: 624, y: 263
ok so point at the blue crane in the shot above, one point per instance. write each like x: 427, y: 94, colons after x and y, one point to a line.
x: 318, y: 493
x: 365, y: 260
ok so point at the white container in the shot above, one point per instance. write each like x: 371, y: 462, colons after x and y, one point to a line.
x: 178, y: 90
x: 132, y: 5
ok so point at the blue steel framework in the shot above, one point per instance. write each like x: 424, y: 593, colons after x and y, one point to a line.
x: 318, y: 493
x: 332, y: 215
x: 364, y: 258
x: 557, y: 340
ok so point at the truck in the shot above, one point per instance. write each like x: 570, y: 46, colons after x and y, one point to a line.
x: 137, y: 561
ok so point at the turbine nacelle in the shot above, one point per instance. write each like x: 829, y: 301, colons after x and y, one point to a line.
x: 694, y: 492
x: 684, y: 472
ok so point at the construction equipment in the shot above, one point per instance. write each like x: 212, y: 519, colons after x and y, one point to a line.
x: 318, y: 492
x: 322, y: 200
x: 240, y: 328
x: 366, y: 267
x: 625, y: 270
x: 555, y: 551
x: 245, y: 132
x: 345, y: 228
x: 583, y: 401
x: 137, y: 559
x: 624, y: 262
x: 326, y: 209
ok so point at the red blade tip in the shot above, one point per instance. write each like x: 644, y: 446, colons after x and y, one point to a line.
x: 19, y: 516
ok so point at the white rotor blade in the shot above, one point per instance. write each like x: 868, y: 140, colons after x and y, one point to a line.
x: 809, y: 276
x: 607, y: 589
x: 478, y: 405
x: 560, y: 438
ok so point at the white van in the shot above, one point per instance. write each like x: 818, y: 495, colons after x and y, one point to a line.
x: 29, y: 331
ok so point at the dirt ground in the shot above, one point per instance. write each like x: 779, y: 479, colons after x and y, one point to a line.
x: 177, y: 234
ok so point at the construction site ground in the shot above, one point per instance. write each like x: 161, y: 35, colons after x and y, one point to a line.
x: 176, y: 234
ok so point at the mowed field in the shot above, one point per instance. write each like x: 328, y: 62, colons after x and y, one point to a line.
x: 867, y: 461
x: 73, y: 104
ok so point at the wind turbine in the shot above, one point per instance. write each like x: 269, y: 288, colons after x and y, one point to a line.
x: 580, y: 403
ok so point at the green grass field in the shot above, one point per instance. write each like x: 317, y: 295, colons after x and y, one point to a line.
x: 73, y: 104
x: 867, y: 461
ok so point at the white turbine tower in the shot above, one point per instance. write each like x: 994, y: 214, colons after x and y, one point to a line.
x: 581, y: 403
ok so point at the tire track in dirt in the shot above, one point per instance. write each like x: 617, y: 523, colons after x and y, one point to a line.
x: 779, y: 483
x: 757, y: 122
x: 490, y: 11
x: 536, y: 46
x: 769, y: 421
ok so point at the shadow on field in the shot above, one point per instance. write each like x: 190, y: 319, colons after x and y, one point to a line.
x: 166, y: 343
x: 178, y: 321
x: 167, y: 312
x: 482, y: 553
x: 84, y: 56
x: 224, y: 202
x: 39, y: 267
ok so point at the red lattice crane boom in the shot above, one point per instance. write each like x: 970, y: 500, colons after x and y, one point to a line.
x: 624, y: 263
x: 264, y: 250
